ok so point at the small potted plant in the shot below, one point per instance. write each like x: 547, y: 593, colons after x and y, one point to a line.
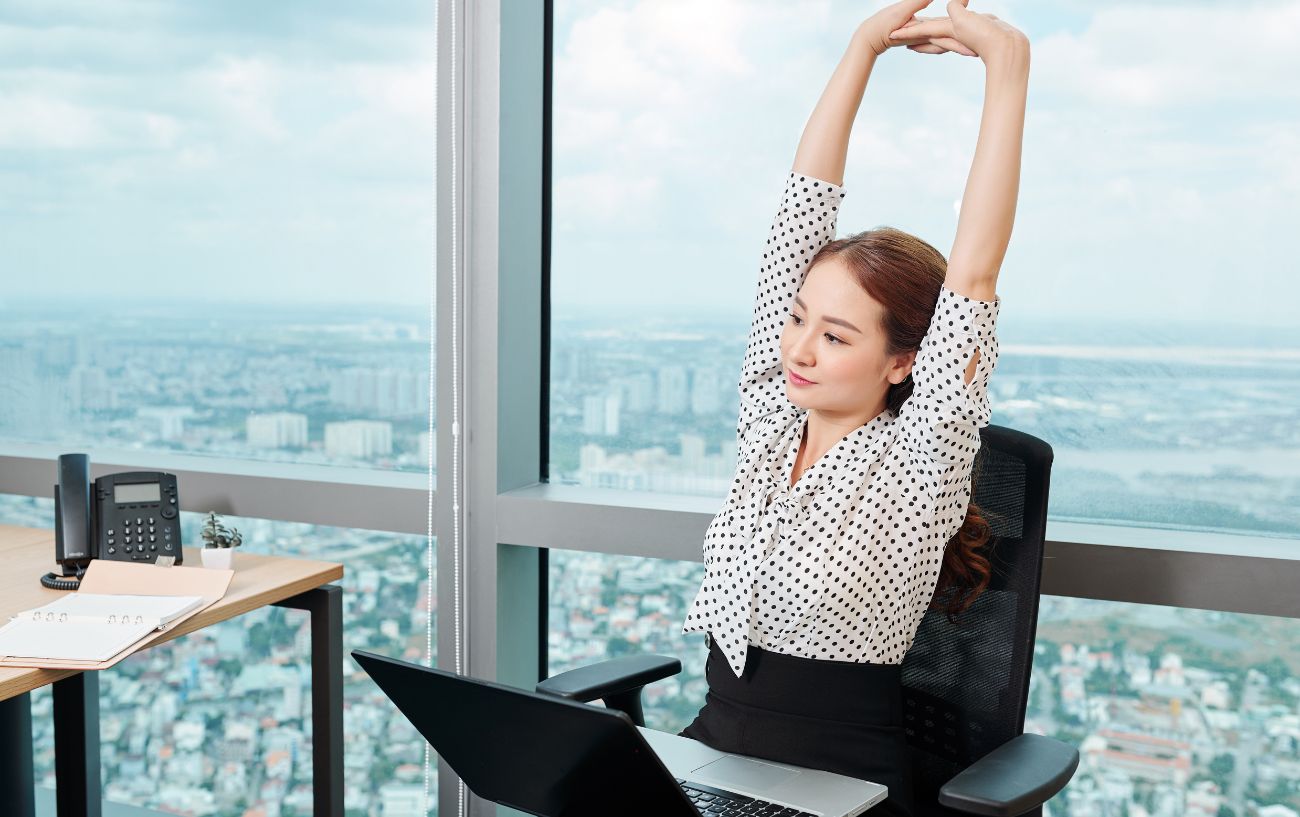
x: 219, y: 543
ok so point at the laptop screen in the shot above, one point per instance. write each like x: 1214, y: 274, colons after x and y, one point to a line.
x: 537, y: 753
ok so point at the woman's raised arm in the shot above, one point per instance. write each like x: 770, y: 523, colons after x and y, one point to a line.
x: 824, y: 146
x: 988, y: 206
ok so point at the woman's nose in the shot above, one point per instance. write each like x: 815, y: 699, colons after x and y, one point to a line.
x: 801, y: 347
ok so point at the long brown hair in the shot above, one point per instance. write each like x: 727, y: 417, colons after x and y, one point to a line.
x: 905, y: 274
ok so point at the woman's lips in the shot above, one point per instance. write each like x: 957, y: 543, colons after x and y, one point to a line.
x: 796, y: 380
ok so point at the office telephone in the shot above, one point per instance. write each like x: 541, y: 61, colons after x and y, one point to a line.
x: 133, y: 516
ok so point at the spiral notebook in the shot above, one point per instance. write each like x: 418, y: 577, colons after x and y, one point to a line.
x: 120, y: 608
x: 90, y: 626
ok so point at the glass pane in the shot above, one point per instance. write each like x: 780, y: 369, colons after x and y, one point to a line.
x: 218, y: 235
x: 1174, y: 711
x: 1168, y: 387
x: 218, y: 722
x: 604, y: 606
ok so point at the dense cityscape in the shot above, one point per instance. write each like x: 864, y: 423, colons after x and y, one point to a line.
x: 1175, y: 711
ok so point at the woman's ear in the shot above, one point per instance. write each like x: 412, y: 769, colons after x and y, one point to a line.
x: 902, y: 367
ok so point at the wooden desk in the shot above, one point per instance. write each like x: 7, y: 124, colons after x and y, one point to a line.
x: 301, y: 584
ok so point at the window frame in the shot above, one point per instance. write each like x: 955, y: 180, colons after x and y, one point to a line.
x: 493, y: 325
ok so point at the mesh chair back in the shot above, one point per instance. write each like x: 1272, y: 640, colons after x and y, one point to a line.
x: 966, y: 685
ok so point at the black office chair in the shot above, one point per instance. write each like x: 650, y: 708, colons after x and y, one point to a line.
x: 965, y: 685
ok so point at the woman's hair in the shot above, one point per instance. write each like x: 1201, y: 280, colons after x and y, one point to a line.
x: 905, y: 275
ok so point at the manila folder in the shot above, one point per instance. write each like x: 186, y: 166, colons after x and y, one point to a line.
x: 139, y: 579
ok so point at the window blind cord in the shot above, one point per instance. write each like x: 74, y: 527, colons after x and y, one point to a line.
x: 455, y: 400
x: 462, y: 793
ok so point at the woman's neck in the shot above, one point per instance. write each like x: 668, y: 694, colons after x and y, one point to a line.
x: 825, y: 429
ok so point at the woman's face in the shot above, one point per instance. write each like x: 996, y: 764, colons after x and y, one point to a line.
x: 833, y: 337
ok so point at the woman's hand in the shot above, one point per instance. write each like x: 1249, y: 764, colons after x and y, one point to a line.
x: 876, y: 29
x: 931, y: 43
x: 985, y: 35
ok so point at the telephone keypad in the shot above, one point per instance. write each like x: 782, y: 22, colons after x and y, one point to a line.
x: 152, y: 497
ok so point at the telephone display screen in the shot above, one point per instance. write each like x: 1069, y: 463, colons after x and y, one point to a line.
x: 138, y: 492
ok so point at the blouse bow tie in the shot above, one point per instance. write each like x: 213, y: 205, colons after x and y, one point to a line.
x: 788, y: 506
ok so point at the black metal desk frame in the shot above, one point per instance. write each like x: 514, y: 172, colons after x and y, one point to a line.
x: 76, y: 726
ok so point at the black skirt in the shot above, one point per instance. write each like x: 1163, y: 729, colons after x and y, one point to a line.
x: 837, y: 716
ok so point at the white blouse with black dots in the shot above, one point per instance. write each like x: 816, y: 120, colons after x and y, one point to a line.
x: 842, y: 565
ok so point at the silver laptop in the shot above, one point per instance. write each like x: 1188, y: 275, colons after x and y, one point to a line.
x: 823, y: 793
x: 550, y: 756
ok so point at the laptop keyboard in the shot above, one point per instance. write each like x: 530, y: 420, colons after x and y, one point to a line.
x: 722, y: 803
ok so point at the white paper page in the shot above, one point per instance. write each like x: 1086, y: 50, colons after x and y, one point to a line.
x: 81, y: 640
x: 152, y: 609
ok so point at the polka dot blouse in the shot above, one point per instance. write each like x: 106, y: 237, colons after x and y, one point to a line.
x: 842, y: 565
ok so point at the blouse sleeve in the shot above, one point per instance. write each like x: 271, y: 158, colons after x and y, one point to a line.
x: 804, y: 224
x: 942, y: 418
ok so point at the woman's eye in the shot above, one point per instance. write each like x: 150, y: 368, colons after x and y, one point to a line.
x: 796, y: 320
x: 832, y: 337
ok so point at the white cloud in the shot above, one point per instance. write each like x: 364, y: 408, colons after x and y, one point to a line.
x: 1159, y: 157
x: 246, y: 89
x: 30, y: 121
x: 1154, y: 57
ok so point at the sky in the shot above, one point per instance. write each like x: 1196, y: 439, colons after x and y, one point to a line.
x: 283, y: 152
x: 1159, y: 179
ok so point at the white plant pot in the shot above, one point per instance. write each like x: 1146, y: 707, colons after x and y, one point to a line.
x: 218, y: 558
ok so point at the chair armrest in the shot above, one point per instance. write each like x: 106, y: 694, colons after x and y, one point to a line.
x: 610, y: 677
x: 1019, y: 775
x: 617, y: 682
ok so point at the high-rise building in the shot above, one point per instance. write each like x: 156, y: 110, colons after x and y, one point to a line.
x: 359, y: 439
x: 672, y: 390
x: 282, y: 429
x: 640, y: 392
x: 600, y: 414
x: 386, y: 392
x: 706, y: 392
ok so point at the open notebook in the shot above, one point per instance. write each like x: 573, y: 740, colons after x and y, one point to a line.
x: 89, y: 626
x: 119, y: 608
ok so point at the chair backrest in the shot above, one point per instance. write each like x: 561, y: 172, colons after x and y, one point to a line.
x: 966, y: 685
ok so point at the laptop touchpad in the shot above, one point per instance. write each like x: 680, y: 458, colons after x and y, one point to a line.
x: 754, y: 775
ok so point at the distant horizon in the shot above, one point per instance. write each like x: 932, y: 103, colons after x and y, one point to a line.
x: 1118, y: 331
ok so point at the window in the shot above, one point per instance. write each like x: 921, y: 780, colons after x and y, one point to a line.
x: 604, y: 606
x: 1146, y: 330
x: 1173, y: 709
x: 219, y: 236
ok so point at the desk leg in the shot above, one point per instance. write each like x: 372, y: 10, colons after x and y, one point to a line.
x: 325, y: 604
x: 76, y: 746
x: 17, y: 777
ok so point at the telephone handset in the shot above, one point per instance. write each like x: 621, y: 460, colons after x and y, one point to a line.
x: 130, y: 517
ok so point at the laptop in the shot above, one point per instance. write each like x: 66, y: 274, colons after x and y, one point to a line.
x: 558, y: 758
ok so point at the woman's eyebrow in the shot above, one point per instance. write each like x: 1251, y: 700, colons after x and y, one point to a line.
x: 828, y: 318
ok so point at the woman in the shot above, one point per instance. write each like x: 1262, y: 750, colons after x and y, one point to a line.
x: 863, y: 390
